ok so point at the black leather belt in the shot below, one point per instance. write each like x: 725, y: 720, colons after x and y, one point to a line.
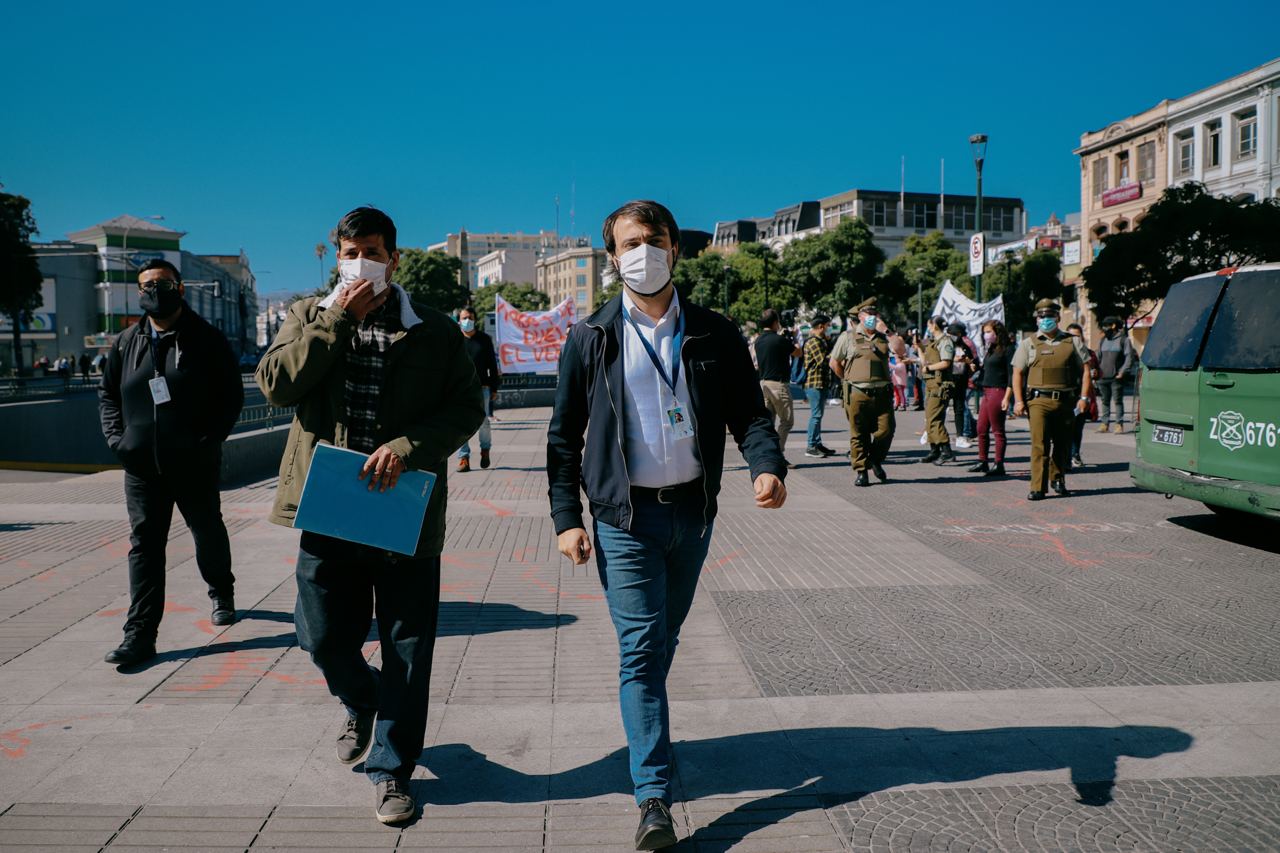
x: 669, y: 494
x: 1053, y: 395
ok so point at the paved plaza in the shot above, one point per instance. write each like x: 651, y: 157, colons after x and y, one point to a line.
x: 931, y: 664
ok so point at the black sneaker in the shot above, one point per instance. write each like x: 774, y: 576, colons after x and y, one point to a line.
x: 484, y: 459
x: 224, y: 610
x: 826, y: 451
x: 394, y: 803
x: 1035, y: 496
x: 814, y: 453
x: 656, y: 830
x: 997, y: 470
x: 357, y: 734
x: 861, y: 479
x: 945, y: 455
x: 935, y: 450
x: 133, y: 650
x: 1077, y: 462
x: 878, y: 470
x: 1060, y: 486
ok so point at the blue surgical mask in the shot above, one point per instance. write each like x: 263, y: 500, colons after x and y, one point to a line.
x: 1046, y: 324
x: 468, y: 325
x: 869, y: 322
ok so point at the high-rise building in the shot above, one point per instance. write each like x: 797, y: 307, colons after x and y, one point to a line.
x: 514, y: 265
x: 573, y: 274
x: 471, y: 247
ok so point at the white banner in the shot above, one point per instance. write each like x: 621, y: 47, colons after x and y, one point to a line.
x: 958, y: 308
x: 530, y: 341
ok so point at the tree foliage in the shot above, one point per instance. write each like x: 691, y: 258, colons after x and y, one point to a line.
x: 431, y: 278
x: 523, y: 297
x: 20, y: 278
x: 926, y: 263
x: 1186, y: 232
x: 1023, y: 281
x: 835, y: 270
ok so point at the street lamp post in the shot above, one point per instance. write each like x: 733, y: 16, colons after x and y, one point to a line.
x: 978, y: 142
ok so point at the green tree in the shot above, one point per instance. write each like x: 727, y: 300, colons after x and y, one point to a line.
x: 1023, y: 281
x: 1186, y: 232
x: 21, y: 278
x: 834, y: 270
x: 927, y: 262
x: 431, y: 278
x: 523, y: 297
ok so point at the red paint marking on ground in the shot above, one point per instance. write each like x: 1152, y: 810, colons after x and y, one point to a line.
x: 230, y: 665
x: 290, y: 560
x: 460, y: 562
x: 206, y: 626
x: 501, y: 512
x: 169, y: 607
x: 732, y: 555
x: 293, y: 679
x: 46, y: 575
x: 458, y: 588
x: 13, y: 743
x: 23, y: 564
x: 531, y: 577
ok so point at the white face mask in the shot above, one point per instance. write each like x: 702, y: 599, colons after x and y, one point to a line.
x: 351, y: 270
x: 644, y: 269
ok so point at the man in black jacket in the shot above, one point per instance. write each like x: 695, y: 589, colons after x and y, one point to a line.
x: 480, y: 350
x: 657, y: 380
x: 170, y: 394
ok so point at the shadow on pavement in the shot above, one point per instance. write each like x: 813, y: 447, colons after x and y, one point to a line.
x: 1255, y: 531
x: 837, y: 765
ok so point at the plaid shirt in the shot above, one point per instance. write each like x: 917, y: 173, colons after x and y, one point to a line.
x: 817, y: 371
x: 365, y: 362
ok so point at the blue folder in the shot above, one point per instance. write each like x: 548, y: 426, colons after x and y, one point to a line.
x: 336, y: 503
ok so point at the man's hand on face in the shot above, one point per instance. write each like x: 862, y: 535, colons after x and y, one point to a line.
x: 575, y: 544
x: 386, y: 467
x: 770, y: 492
x: 359, y: 299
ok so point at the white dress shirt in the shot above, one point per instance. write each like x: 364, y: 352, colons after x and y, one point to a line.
x: 655, y: 457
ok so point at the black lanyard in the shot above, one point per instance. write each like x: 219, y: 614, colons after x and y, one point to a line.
x: 676, y: 344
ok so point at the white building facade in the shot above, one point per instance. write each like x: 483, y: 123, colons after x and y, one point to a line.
x: 1228, y: 136
x: 514, y: 265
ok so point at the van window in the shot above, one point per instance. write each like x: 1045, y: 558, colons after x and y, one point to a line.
x: 1244, y: 334
x: 1175, y: 339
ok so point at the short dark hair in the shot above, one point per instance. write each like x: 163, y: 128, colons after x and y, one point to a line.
x: 1111, y: 320
x: 1075, y: 326
x: 769, y: 318
x: 467, y: 309
x: 819, y: 320
x: 161, y: 264
x: 365, y: 222
x: 643, y: 210
x: 957, y: 330
x: 938, y: 322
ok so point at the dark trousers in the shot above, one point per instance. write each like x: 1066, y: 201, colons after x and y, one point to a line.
x: 341, y: 585
x: 150, y: 498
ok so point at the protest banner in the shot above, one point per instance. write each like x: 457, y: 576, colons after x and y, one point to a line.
x: 958, y: 308
x: 530, y: 341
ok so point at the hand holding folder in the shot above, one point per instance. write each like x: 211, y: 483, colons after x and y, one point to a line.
x: 337, y: 502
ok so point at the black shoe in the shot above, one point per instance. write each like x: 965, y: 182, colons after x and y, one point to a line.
x: 861, y: 479
x: 656, y: 830
x: 878, y: 470
x: 357, y: 734
x: 997, y: 470
x: 1077, y: 462
x: 1060, y: 486
x: 935, y: 450
x: 945, y: 455
x: 133, y: 650
x: 980, y: 468
x: 814, y: 453
x: 484, y: 459
x: 1035, y: 496
x: 224, y: 610
x: 825, y: 451
x: 393, y: 802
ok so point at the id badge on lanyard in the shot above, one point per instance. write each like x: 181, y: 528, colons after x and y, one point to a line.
x: 678, y: 420
x: 159, y: 387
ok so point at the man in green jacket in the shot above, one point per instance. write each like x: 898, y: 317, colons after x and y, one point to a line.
x: 369, y: 372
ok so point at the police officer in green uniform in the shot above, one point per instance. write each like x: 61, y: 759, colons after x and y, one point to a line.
x: 861, y: 360
x: 1058, y: 385
x: 939, y: 386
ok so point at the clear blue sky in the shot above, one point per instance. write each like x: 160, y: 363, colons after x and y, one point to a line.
x: 256, y: 125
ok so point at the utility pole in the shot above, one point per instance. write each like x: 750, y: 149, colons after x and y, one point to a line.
x: 978, y: 142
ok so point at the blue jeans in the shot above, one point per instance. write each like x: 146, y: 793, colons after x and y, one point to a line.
x: 341, y: 585
x: 817, y: 398
x: 649, y: 575
x: 486, y: 434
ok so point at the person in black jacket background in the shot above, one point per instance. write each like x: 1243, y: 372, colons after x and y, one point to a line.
x: 653, y: 382
x: 480, y: 348
x: 170, y: 394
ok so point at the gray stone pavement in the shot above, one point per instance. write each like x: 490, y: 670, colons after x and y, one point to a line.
x: 929, y: 664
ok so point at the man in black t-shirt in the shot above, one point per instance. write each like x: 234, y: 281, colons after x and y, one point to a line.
x: 773, y: 357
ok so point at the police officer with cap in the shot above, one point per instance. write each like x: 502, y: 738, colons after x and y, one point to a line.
x: 935, y: 360
x: 861, y: 360
x: 1057, y: 385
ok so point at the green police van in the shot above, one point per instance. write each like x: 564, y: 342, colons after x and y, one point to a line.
x: 1209, y: 396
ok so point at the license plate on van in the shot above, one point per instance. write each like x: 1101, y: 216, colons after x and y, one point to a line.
x: 1167, y: 435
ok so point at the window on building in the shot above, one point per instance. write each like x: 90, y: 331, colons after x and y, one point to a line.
x: 1186, y: 148
x: 882, y: 213
x: 1212, y: 144
x: 997, y: 218
x: 1099, y: 177
x: 582, y: 296
x: 582, y: 262
x: 582, y: 280
x: 922, y: 215
x: 1247, y: 134
x: 1147, y: 162
x: 958, y: 217
x: 1122, y: 168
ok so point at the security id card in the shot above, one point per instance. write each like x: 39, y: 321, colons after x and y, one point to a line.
x: 159, y: 390
x: 679, y: 423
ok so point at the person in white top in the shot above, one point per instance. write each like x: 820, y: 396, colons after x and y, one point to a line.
x: 659, y: 380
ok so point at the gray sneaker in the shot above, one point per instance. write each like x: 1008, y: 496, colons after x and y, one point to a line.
x: 394, y: 803
x: 357, y: 734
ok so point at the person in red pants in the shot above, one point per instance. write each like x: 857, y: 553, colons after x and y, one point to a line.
x: 994, y: 381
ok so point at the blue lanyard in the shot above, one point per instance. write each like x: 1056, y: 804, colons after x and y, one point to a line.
x: 676, y: 343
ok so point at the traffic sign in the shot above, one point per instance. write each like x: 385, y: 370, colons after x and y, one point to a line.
x: 978, y: 254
